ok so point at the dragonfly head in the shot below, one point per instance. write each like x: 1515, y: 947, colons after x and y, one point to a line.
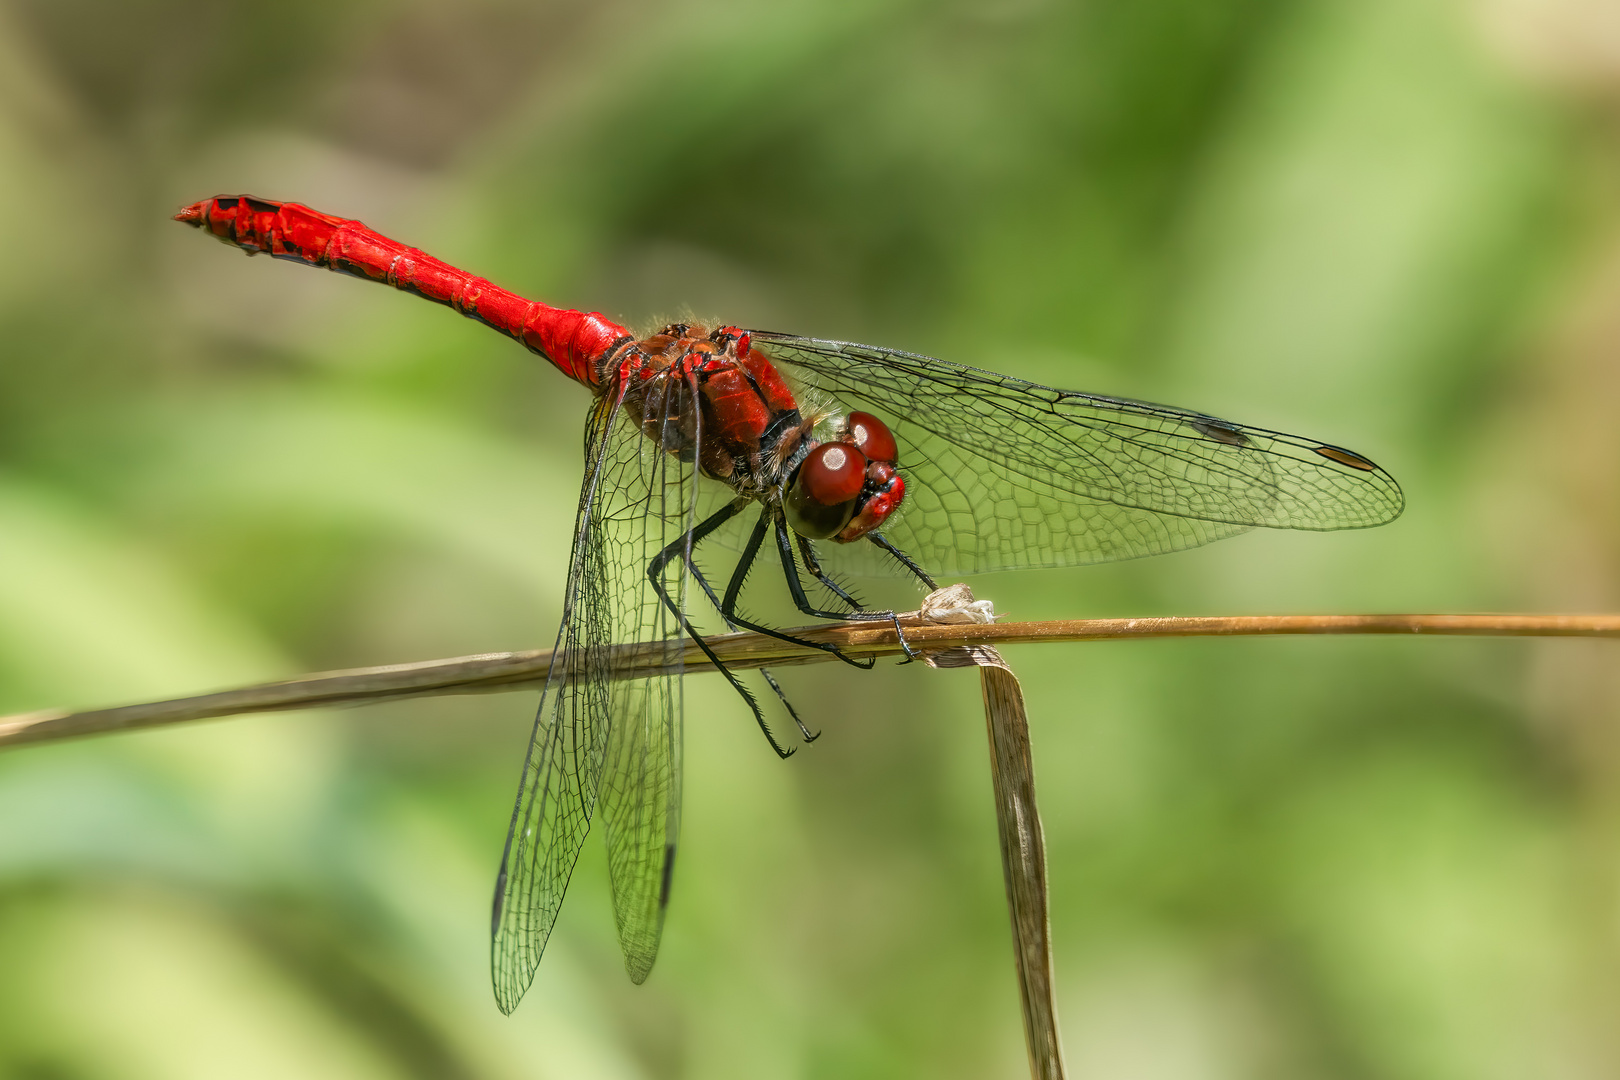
x: 845, y: 488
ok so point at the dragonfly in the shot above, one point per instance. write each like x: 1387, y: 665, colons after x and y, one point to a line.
x: 851, y: 456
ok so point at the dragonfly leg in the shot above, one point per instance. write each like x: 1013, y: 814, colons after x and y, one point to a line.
x: 681, y: 547
x: 728, y: 605
x: 903, y: 559
x: 784, y: 544
x: 703, y: 583
x: 807, y: 552
x: 809, y: 736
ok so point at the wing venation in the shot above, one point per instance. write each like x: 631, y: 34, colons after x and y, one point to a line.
x: 599, y: 743
x: 1002, y: 473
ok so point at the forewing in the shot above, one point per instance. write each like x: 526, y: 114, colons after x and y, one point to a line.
x: 1001, y: 473
x: 593, y: 735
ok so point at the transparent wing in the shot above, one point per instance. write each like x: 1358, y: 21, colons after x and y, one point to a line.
x: 595, y: 737
x: 656, y: 494
x: 1001, y: 473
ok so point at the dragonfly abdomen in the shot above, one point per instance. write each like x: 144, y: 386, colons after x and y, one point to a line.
x: 577, y: 342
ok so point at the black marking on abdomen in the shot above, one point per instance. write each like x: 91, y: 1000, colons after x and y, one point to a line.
x: 344, y: 266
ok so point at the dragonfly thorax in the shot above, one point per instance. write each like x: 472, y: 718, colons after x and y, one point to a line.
x: 709, y: 397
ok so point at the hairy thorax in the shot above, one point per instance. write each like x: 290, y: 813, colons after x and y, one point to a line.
x: 706, y: 396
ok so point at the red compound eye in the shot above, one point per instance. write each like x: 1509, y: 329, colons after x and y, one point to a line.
x: 822, y: 498
x: 833, y: 473
x: 873, y: 437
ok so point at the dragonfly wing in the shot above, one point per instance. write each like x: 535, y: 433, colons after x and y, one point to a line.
x: 652, y: 506
x: 641, y: 811
x: 596, y: 736
x: 1002, y: 473
x: 562, y: 770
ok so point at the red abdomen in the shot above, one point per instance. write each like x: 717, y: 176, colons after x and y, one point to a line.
x: 580, y: 344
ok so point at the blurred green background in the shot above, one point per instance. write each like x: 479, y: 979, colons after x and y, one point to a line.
x: 1390, y: 224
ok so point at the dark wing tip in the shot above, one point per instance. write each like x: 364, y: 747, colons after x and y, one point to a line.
x: 1346, y: 457
x: 667, y: 877
x: 500, y: 901
x: 1394, y: 503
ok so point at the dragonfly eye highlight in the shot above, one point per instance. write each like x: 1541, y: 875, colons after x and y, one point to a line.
x: 821, y: 499
x: 873, y: 437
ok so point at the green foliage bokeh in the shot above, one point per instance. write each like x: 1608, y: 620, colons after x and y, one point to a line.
x: 1385, y: 223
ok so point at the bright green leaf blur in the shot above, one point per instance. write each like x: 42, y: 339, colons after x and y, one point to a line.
x: 1389, y: 224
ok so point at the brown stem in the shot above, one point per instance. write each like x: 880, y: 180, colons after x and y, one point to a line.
x: 506, y: 671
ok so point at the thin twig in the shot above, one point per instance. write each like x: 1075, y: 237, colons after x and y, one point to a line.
x: 493, y: 672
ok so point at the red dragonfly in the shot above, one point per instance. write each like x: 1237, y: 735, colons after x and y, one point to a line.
x: 923, y: 466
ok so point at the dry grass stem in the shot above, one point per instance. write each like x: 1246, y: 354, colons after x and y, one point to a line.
x: 1023, y: 851
x: 516, y: 670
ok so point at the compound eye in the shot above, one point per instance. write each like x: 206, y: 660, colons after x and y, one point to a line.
x: 832, y: 473
x: 873, y: 437
x: 822, y: 498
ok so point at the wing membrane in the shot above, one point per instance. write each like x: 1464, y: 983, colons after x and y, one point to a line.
x: 1002, y: 473
x: 641, y: 788
x: 595, y: 738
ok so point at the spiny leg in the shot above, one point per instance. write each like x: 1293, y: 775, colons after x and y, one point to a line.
x: 703, y: 583
x: 681, y: 547
x: 903, y: 559
x: 808, y: 735
x: 813, y: 564
x: 784, y: 545
x: 922, y: 575
x: 807, y: 552
x: 728, y: 606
